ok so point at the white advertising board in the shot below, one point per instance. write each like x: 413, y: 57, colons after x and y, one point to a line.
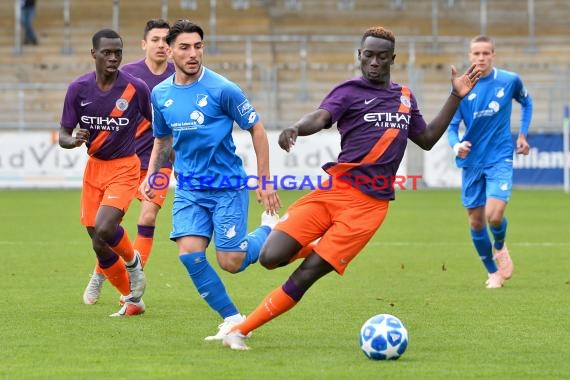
x: 35, y: 160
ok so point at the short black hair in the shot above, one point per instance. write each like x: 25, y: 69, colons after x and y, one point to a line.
x: 155, y: 23
x: 104, y: 33
x: 183, y: 26
x: 379, y: 32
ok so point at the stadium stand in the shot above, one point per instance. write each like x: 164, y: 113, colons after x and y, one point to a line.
x: 286, y: 56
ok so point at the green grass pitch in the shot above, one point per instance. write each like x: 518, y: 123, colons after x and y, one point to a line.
x: 420, y: 266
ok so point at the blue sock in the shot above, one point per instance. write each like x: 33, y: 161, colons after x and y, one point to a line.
x: 255, y: 241
x: 208, y: 283
x: 484, y: 249
x: 499, y: 234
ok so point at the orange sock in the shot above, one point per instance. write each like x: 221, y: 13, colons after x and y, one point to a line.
x: 303, y: 252
x: 276, y: 303
x: 118, y: 276
x: 124, y: 248
x: 98, y: 268
x: 144, y: 246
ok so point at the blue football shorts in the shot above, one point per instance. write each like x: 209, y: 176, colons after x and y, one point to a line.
x: 222, y: 213
x: 481, y: 183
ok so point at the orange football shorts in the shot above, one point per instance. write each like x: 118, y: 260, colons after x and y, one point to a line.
x: 108, y: 183
x: 345, y: 220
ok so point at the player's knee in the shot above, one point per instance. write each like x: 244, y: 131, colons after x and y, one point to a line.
x: 267, y: 260
x: 476, y: 225
x: 147, y: 218
x: 495, y: 219
x: 278, y: 250
x: 231, y: 262
x: 105, y: 231
x: 231, y: 268
x: 98, y: 245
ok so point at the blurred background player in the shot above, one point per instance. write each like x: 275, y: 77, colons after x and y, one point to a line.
x: 152, y: 69
x: 28, y: 9
x: 194, y: 114
x: 485, y: 155
x: 109, y: 106
x: 375, y: 118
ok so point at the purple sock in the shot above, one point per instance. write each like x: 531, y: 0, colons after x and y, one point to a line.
x: 293, y: 291
x: 119, y: 232
x: 145, y: 231
x: 108, y: 261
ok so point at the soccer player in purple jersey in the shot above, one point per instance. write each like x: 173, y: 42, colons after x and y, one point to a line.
x: 152, y: 69
x: 109, y: 106
x: 375, y: 118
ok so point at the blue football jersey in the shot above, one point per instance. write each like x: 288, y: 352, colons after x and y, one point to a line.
x: 200, y: 117
x: 486, y: 112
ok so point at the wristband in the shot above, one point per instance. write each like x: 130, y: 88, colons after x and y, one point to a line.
x: 456, y: 148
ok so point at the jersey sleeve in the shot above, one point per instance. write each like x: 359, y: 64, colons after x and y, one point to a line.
x: 522, y: 96
x: 159, y: 126
x: 144, y: 100
x: 235, y: 104
x: 417, y: 122
x: 69, y: 115
x: 453, y: 129
x: 336, y: 103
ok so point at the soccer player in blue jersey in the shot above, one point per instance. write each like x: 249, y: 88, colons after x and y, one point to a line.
x: 109, y: 106
x: 194, y: 113
x: 485, y: 155
x: 375, y: 118
x: 152, y: 69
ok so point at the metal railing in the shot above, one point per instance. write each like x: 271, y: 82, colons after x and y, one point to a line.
x: 282, y: 93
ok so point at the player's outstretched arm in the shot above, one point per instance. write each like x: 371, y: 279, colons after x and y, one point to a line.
x: 461, y: 86
x: 309, y: 124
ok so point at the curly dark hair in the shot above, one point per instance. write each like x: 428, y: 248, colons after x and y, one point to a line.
x: 379, y: 32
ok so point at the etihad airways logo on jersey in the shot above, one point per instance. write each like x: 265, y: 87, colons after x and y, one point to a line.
x: 388, y: 119
x: 105, y: 123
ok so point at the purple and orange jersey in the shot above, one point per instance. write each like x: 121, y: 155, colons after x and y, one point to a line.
x: 144, y: 138
x: 112, y: 117
x: 374, y: 125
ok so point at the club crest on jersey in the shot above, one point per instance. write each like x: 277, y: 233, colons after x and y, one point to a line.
x: 202, y: 100
x: 405, y: 101
x: 122, y: 104
x: 500, y: 92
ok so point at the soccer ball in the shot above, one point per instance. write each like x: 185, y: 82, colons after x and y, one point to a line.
x: 383, y: 337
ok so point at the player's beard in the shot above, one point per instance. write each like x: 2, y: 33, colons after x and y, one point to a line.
x: 191, y: 72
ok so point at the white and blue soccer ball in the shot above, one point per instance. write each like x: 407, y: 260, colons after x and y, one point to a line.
x: 383, y: 337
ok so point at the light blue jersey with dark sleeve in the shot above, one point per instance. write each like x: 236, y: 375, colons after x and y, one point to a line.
x: 200, y: 117
x: 486, y: 112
